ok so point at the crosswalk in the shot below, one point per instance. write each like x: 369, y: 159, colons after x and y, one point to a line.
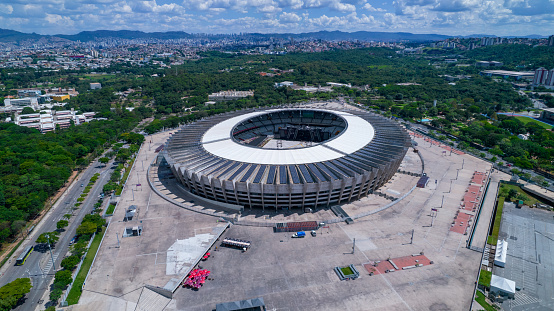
x: 523, y: 299
x: 48, y: 265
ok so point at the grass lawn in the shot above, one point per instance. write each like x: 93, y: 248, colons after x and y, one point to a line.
x: 497, y: 219
x: 346, y: 271
x: 530, y: 199
x: 527, y: 120
x: 485, y: 278
x: 76, y: 290
x: 480, y: 298
x: 110, y: 209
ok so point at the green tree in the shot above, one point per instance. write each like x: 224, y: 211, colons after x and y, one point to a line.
x: 109, y: 187
x: 27, y: 110
x: 62, y: 278
x: 512, y: 194
x: 104, y: 160
x: 86, y: 228
x: 13, y: 291
x: 8, y: 303
x: 69, y: 263
x: 95, y: 219
x: 18, y: 225
x: 55, y: 294
x: 62, y: 224
x: 48, y: 237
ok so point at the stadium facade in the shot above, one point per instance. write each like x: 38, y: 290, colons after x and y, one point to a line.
x: 287, y: 158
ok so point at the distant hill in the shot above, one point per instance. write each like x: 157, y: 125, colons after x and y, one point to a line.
x: 323, y: 35
x: 7, y: 35
x: 125, y: 34
x: 373, y: 36
x: 11, y: 35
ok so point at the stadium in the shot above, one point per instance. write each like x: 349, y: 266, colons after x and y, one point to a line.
x: 289, y: 158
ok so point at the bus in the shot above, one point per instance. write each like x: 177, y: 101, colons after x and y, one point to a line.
x: 21, y: 259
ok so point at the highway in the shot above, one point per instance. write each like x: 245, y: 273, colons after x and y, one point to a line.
x: 38, y: 265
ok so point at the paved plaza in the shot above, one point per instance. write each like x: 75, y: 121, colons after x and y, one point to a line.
x: 289, y: 273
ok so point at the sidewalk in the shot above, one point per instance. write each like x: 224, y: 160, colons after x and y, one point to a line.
x: 481, y: 231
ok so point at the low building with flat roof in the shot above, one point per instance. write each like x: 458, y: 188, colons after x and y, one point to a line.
x: 518, y: 75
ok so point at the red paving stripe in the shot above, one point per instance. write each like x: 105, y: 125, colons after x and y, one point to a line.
x: 458, y: 226
x: 400, y: 262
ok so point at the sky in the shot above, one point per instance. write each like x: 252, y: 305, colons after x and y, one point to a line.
x: 449, y: 17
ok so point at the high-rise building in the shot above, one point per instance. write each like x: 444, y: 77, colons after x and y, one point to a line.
x: 550, y: 79
x: 541, y: 74
x: 551, y: 40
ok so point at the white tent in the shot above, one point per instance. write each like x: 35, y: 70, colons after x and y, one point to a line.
x: 502, y: 286
x: 501, y: 252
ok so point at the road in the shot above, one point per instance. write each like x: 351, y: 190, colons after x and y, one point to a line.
x: 38, y: 265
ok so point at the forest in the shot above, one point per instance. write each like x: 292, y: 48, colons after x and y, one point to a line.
x: 515, y: 56
x: 33, y: 166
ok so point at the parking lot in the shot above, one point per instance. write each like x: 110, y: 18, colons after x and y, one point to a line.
x: 530, y: 260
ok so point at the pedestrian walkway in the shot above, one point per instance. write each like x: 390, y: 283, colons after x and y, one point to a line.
x: 480, y: 233
x: 48, y: 265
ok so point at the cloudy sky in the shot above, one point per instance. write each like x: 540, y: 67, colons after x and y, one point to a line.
x: 450, y: 17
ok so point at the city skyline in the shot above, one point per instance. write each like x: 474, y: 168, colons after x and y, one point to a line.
x: 448, y: 17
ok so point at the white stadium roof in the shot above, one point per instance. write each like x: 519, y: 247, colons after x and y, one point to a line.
x: 218, y: 141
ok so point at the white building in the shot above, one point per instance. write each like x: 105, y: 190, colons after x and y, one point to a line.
x: 95, y: 86
x: 284, y: 83
x: 334, y: 84
x: 229, y: 95
x: 501, y: 252
x: 48, y: 120
x: 28, y: 92
x: 523, y: 136
x: 502, y: 287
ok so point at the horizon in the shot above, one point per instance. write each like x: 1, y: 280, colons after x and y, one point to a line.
x: 445, y: 17
x: 473, y: 35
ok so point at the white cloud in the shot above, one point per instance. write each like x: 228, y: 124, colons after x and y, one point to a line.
x: 59, y: 20
x: 455, y: 5
x: 516, y: 17
x: 6, y: 9
x: 293, y: 4
x: 370, y: 8
x: 269, y: 9
x: 153, y: 7
x: 342, y: 7
x: 286, y: 17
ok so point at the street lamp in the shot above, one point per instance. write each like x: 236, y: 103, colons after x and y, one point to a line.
x: 51, y: 256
